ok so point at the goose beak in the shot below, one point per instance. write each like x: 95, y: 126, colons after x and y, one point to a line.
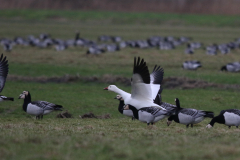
x: 169, y: 122
x: 115, y: 97
x: 105, y: 88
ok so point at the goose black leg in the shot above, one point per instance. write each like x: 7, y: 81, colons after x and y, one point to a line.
x: 133, y: 118
x: 191, y: 125
x: 148, y: 124
x: 41, y: 116
x: 187, y: 125
x: 229, y: 127
x: 236, y: 126
x: 152, y: 123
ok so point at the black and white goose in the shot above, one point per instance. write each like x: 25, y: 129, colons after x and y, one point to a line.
x: 144, y: 86
x: 37, y: 108
x: 188, y: 116
x: 231, y: 67
x: 229, y: 117
x: 191, y: 65
x: 121, y: 109
x: 147, y: 114
x: 170, y: 108
x: 3, y: 76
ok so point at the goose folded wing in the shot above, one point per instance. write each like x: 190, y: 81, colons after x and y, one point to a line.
x: 3, y: 71
x: 44, y: 105
x: 235, y: 111
x: 141, y: 89
x: 190, y: 112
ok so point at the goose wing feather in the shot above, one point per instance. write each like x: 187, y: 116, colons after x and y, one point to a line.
x: 3, y: 71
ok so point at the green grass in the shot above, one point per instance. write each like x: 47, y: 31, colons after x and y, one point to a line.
x: 23, y: 137
x: 115, y: 138
x: 123, y: 17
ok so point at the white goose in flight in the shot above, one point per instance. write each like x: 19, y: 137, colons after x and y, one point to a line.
x: 145, y: 86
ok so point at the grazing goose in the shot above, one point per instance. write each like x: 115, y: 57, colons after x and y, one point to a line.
x: 191, y: 65
x: 144, y: 86
x: 229, y: 117
x: 188, y: 116
x: 128, y: 113
x: 3, y: 76
x: 231, y: 67
x: 147, y: 114
x: 37, y: 108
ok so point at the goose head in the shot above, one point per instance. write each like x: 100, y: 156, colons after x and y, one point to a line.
x: 209, y: 126
x: 23, y: 95
x: 224, y: 68
x: 111, y: 88
x: 119, y: 97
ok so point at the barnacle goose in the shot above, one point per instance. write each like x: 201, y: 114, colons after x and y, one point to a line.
x: 188, y: 116
x: 37, y: 108
x: 3, y: 76
x: 128, y: 113
x: 231, y: 67
x: 189, y: 49
x: 144, y: 86
x: 229, y: 117
x: 191, y: 65
x: 147, y: 114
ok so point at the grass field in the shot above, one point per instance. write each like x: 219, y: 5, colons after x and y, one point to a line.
x: 119, y: 137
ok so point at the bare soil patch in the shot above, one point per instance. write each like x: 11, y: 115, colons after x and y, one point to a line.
x: 169, y: 82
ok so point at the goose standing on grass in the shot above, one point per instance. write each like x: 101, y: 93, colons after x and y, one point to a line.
x: 229, y: 117
x: 153, y: 114
x: 231, y: 67
x: 147, y: 114
x: 37, y: 108
x: 144, y: 86
x: 128, y: 113
x: 188, y: 116
x: 3, y: 76
x: 191, y: 65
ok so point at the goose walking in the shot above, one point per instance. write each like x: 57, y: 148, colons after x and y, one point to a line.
x: 188, y: 116
x: 37, y: 108
x: 229, y: 117
x: 144, y: 86
x: 121, y: 109
x: 3, y: 76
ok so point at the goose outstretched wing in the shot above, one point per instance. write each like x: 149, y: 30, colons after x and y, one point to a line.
x: 3, y: 71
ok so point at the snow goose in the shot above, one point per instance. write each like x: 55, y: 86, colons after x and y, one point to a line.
x: 37, y: 108
x: 188, y: 116
x: 144, y: 86
x: 229, y: 117
x: 191, y: 65
x: 3, y: 76
x: 128, y: 113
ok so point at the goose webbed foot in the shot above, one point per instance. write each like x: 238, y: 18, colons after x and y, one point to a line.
x: 133, y: 118
x: 229, y: 127
x: 148, y: 124
x: 187, y: 126
x: 236, y: 126
x: 152, y: 123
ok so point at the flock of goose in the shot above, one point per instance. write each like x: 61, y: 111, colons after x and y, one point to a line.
x: 115, y: 43
x: 144, y: 103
